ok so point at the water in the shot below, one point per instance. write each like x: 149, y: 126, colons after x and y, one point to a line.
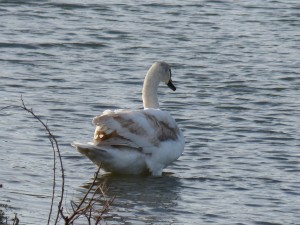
x: 236, y: 68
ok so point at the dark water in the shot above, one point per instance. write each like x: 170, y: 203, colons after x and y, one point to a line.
x: 236, y: 67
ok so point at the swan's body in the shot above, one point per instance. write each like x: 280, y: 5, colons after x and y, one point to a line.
x: 134, y: 142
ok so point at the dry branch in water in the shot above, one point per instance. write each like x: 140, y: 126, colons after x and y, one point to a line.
x: 16, y: 220
x: 86, y: 207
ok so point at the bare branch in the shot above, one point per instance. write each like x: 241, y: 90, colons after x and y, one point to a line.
x: 84, y: 207
x: 54, y: 145
x: 78, y: 208
x: 16, y: 220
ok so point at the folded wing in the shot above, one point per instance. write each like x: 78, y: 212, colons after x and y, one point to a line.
x: 136, y: 129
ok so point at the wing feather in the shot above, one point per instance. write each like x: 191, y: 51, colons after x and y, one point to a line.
x: 137, y: 129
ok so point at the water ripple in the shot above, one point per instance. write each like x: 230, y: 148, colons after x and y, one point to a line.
x: 236, y: 68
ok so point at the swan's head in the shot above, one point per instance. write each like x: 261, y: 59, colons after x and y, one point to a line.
x: 158, y: 72
x: 163, y: 69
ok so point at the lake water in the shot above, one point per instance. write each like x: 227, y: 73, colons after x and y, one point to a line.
x: 236, y: 68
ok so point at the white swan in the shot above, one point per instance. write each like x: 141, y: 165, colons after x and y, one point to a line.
x: 135, y: 142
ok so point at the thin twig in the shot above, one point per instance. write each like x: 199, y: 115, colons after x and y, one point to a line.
x: 78, y: 208
x: 54, y: 182
x: 84, y: 208
x: 54, y: 145
x: 16, y: 220
x: 52, y: 139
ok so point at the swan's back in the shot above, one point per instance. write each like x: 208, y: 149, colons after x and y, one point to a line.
x: 141, y: 129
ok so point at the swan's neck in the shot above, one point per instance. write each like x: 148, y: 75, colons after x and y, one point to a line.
x: 150, y: 99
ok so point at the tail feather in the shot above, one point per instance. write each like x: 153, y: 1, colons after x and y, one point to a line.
x: 93, y: 152
x: 118, y: 159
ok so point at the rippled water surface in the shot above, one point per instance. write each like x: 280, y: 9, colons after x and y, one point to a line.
x: 236, y: 67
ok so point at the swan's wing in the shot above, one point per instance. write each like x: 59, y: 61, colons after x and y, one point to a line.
x: 137, y: 129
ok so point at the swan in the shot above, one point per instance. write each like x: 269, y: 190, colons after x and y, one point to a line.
x: 137, y: 141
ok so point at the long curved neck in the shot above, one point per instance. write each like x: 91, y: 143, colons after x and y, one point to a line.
x: 149, y: 96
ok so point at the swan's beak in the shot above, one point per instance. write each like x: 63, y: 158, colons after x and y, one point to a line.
x: 171, y: 85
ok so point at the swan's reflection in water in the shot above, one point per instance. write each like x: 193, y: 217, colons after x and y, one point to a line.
x: 140, y: 199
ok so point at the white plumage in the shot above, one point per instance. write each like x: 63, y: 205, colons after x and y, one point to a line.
x: 137, y: 141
